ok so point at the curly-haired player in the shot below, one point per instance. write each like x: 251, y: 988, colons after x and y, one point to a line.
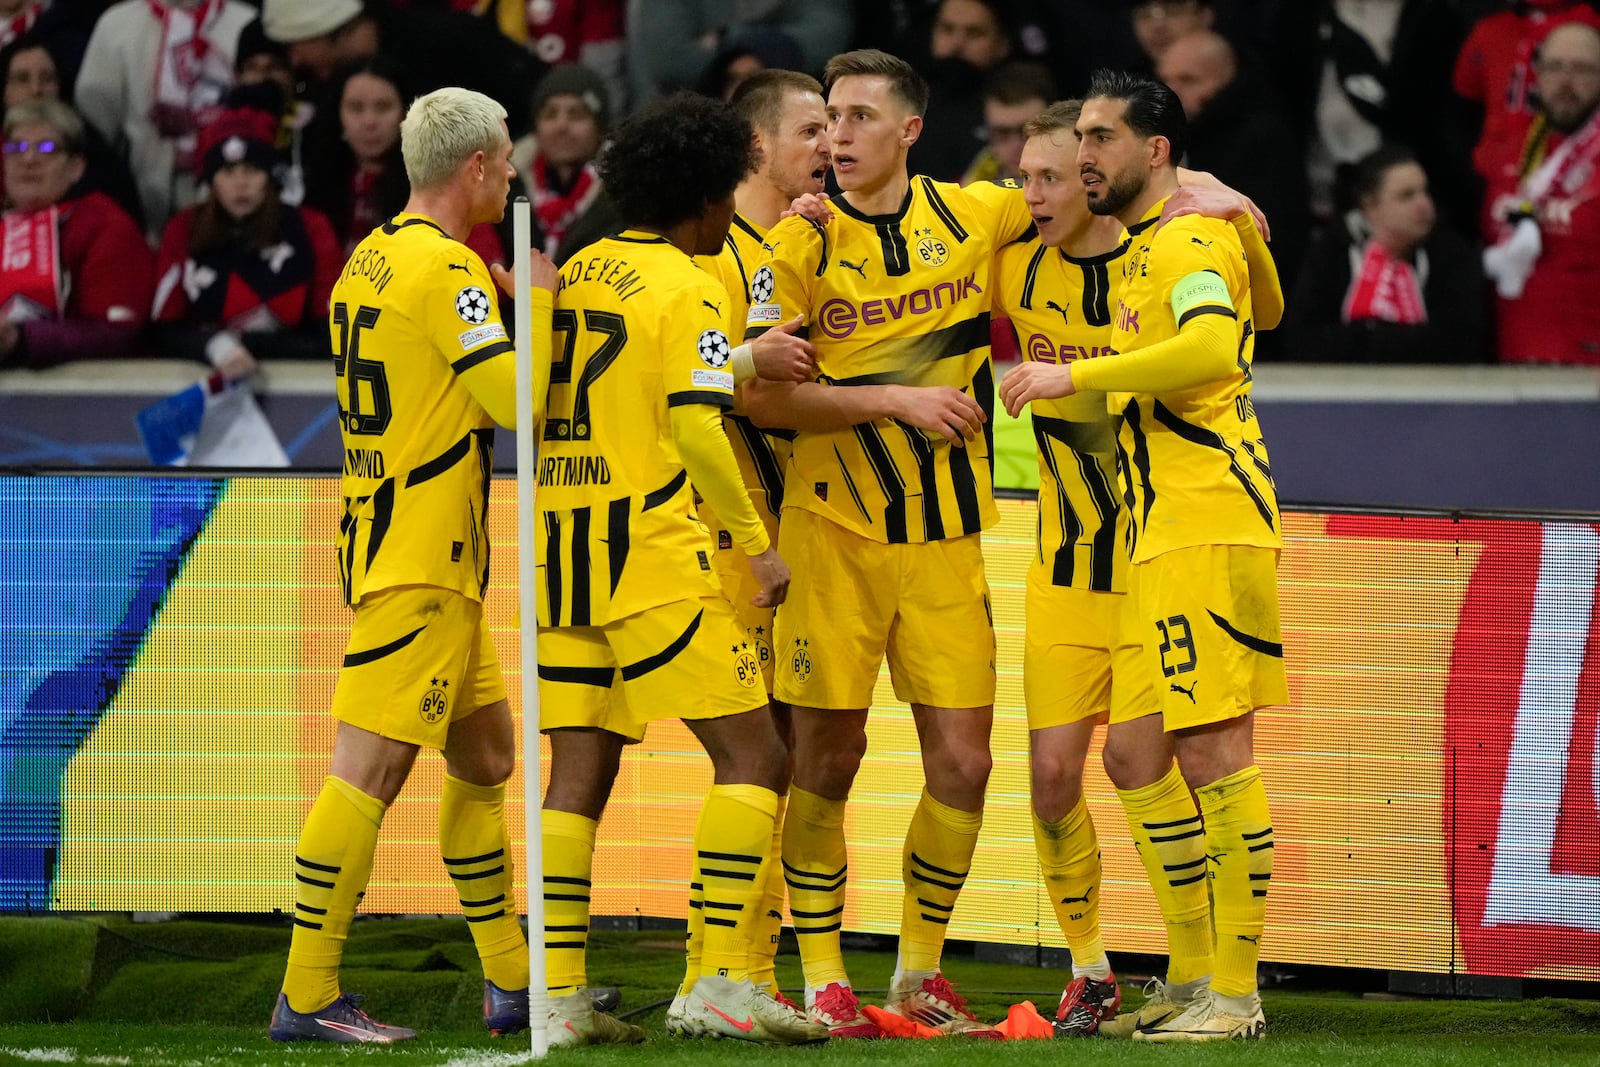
x: 632, y: 625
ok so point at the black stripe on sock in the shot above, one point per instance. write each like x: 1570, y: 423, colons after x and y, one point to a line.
x: 496, y: 854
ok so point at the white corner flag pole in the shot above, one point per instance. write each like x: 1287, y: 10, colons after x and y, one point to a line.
x: 533, y: 861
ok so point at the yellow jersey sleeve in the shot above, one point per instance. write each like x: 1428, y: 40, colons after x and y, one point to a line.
x: 782, y: 286
x: 697, y: 354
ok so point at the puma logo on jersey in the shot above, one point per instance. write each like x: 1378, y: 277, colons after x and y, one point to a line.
x: 715, y: 310
x: 859, y: 268
x: 1189, y: 692
x: 1202, y: 244
x: 460, y: 266
x: 1053, y: 306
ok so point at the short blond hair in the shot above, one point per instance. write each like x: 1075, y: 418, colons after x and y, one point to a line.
x: 444, y: 128
x: 56, y: 114
x: 1061, y: 115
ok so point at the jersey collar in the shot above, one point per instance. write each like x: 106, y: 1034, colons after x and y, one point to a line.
x: 878, y: 220
x: 639, y: 237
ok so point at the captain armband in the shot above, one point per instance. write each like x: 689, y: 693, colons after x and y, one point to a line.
x: 1199, y: 293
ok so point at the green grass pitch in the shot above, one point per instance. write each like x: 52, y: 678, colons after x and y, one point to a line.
x: 196, y: 993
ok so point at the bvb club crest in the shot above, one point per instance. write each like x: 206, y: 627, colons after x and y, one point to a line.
x: 435, y: 704
x: 931, y: 250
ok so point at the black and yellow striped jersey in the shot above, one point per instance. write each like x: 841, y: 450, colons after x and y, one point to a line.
x: 639, y: 328
x: 763, y: 456
x: 412, y: 311
x: 1195, y: 469
x: 1061, y: 310
x: 897, y: 298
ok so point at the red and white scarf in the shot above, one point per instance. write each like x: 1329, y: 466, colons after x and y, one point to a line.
x: 1384, y: 287
x: 191, y: 72
x: 1560, y: 176
x: 31, y: 282
x: 20, y: 23
x: 558, y: 211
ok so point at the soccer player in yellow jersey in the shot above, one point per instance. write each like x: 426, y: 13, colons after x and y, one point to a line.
x: 1204, y: 524
x: 424, y: 371
x: 1083, y: 662
x: 632, y: 624
x: 881, y: 521
x: 789, y: 130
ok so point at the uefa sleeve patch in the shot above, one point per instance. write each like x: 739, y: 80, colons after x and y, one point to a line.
x: 715, y: 352
x: 471, y: 339
x: 472, y: 304
x: 764, y: 313
x: 711, y: 379
x: 762, y: 286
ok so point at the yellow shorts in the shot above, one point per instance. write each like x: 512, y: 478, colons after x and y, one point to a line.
x: 853, y: 600
x: 1082, y: 657
x: 731, y: 566
x: 683, y: 660
x: 1214, y: 641
x: 419, y: 658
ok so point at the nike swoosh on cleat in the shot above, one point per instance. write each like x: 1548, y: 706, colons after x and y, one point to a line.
x: 354, y: 1031
x: 748, y: 1025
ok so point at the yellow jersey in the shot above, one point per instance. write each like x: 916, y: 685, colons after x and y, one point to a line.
x: 763, y: 455
x: 412, y: 311
x: 897, y: 298
x: 1195, y: 469
x: 639, y: 328
x: 1060, y: 307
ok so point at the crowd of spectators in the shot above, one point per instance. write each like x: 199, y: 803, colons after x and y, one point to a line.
x: 184, y: 177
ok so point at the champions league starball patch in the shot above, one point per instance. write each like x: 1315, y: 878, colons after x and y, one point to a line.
x: 472, y: 304
x: 761, y: 286
x: 714, y: 349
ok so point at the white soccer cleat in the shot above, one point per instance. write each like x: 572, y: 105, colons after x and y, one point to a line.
x: 927, y: 997
x: 677, y: 1017
x: 1211, y: 1017
x: 1161, y: 1002
x: 721, y: 1007
x: 573, y: 1021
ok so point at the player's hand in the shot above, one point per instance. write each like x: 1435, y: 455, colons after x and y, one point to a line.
x: 1224, y: 204
x: 543, y: 274
x: 940, y: 409
x: 773, y: 574
x: 1035, y: 381
x: 813, y: 206
x: 1200, y: 181
x: 780, y: 356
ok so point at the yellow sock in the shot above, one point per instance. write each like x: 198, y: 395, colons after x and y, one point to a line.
x: 1069, y: 855
x: 1239, y: 841
x: 332, y: 863
x: 477, y: 855
x: 1171, y: 842
x: 769, y: 920
x: 815, y: 867
x: 730, y: 845
x: 934, y: 863
x: 568, y: 849
x: 694, y: 941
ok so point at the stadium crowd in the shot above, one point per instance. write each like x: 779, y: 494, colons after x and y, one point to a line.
x: 1427, y: 166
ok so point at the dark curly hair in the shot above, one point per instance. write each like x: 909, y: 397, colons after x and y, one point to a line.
x: 672, y: 158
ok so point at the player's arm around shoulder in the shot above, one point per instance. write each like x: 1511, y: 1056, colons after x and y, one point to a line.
x: 1000, y: 206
